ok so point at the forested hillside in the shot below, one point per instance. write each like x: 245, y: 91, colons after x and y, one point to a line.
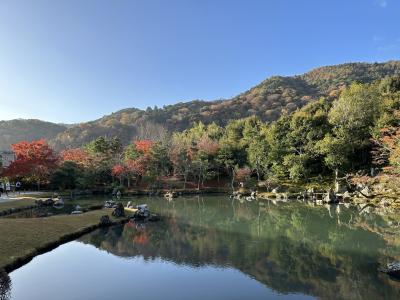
x: 17, y: 130
x: 356, y: 133
x: 268, y: 101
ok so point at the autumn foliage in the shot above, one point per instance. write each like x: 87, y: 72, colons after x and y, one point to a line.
x: 117, y: 170
x: 137, y: 166
x: 388, y: 149
x: 77, y: 155
x: 34, y: 160
x: 134, y: 166
x: 143, y: 146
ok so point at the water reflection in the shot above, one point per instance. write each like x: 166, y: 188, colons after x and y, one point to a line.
x: 331, y: 252
x: 218, y: 248
x: 5, y: 286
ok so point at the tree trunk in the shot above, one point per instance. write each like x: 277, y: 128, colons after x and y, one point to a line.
x: 232, y: 179
x: 258, y: 171
x: 184, y: 180
x: 198, y: 183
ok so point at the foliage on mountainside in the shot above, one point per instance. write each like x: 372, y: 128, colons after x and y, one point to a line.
x: 356, y: 132
x: 268, y: 101
x: 18, y: 130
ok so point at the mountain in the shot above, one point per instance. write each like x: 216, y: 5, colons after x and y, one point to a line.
x: 268, y: 100
x: 17, y: 130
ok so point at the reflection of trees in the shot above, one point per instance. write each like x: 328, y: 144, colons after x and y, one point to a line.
x: 288, y: 247
x: 5, y: 286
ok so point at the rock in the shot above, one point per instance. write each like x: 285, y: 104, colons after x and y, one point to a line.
x: 392, y: 269
x: 346, y: 195
x: 244, y: 192
x: 275, y: 190
x: 105, y: 220
x: 154, y: 218
x: 47, y: 202
x: 109, y: 204
x: 365, y: 191
x: 282, y: 196
x: 119, y: 211
x: 142, y: 211
x: 170, y: 195
x: 330, y: 197
x: 310, y: 192
x: 365, y: 208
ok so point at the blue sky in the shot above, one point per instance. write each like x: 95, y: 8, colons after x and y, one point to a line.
x: 74, y: 61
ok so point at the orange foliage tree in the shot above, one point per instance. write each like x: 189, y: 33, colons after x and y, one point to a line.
x: 77, y: 155
x: 137, y: 167
x: 34, y: 161
x: 143, y: 146
x: 388, y: 150
x: 118, y: 171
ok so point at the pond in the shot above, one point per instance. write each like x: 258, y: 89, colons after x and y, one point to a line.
x: 217, y: 248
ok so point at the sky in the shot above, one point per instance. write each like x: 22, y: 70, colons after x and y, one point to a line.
x: 74, y: 61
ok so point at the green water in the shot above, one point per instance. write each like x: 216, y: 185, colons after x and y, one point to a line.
x: 216, y: 248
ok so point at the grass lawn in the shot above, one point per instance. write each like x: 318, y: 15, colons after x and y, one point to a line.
x: 17, y: 203
x: 20, y: 238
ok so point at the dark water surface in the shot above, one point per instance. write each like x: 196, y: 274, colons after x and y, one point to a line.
x: 216, y: 248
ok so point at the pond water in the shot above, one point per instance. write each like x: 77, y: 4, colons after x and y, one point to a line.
x: 217, y: 248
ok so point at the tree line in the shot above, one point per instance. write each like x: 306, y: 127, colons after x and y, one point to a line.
x: 356, y: 132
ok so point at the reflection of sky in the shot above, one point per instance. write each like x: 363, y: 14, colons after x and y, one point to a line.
x: 79, y: 271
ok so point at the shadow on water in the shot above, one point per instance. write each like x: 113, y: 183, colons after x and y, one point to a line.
x: 328, y: 252
x: 5, y: 286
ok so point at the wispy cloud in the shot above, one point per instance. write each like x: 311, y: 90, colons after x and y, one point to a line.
x: 389, y: 48
x: 381, y: 3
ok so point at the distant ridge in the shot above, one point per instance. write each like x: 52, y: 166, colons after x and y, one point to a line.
x: 267, y: 100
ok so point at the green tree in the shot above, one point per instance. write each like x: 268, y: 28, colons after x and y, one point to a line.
x: 306, y: 127
x: 159, y: 163
x: 352, y: 116
x: 67, y: 176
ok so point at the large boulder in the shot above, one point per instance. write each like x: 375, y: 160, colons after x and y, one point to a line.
x: 392, y: 269
x: 346, y: 196
x: 47, y: 202
x: 276, y: 190
x: 105, y: 220
x: 119, y: 211
x: 366, y: 192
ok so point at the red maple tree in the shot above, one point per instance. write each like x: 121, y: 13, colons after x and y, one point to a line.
x: 117, y: 170
x: 33, y: 161
x: 387, y: 149
x: 137, y: 166
x: 143, y: 146
x: 76, y: 155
